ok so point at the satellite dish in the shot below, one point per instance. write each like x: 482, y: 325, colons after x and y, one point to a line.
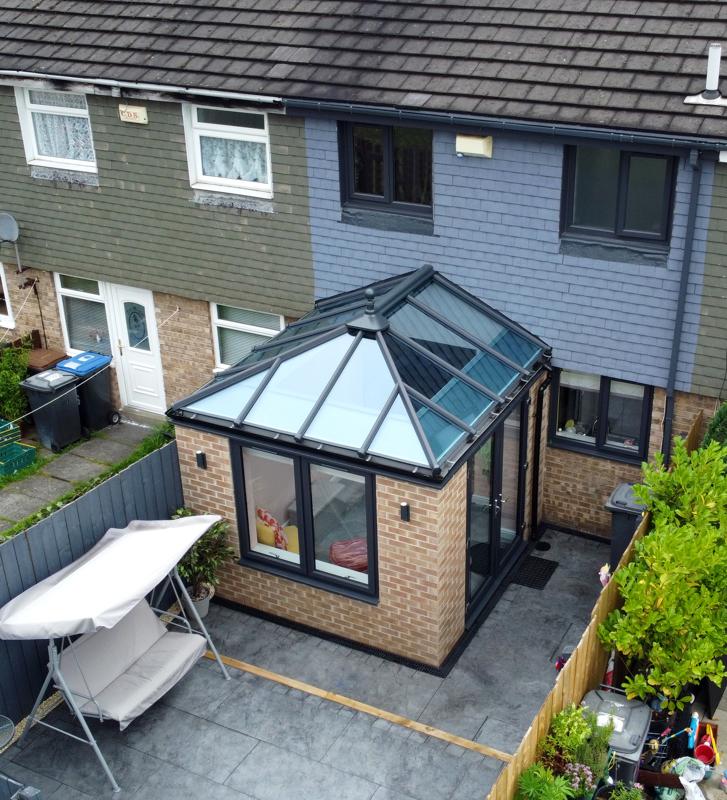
x: 9, y: 230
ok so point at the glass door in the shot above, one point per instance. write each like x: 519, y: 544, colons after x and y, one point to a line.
x: 496, y: 495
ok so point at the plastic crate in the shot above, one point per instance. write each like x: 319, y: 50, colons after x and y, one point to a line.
x: 8, y: 432
x: 15, y: 456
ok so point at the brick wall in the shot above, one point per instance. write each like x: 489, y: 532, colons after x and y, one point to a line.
x: 497, y: 233
x: 576, y: 485
x: 186, y: 344
x: 420, y: 612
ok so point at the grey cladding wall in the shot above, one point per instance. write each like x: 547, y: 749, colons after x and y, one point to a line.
x: 142, y: 227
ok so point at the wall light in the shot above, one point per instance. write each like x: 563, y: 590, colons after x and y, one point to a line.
x: 201, y: 459
x: 405, y: 512
x: 478, y: 146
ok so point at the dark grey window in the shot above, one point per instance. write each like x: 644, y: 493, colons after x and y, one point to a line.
x: 595, y: 413
x: 618, y: 194
x: 308, y: 520
x: 387, y: 168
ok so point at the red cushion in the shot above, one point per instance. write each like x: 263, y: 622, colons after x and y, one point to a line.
x: 350, y: 553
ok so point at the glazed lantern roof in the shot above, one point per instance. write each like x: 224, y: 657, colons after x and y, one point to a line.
x: 405, y: 372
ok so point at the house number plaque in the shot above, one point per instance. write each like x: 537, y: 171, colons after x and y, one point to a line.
x: 136, y: 114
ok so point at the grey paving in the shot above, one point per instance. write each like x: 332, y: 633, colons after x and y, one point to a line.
x: 105, y: 450
x: 130, y: 433
x: 251, y: 739
x: 73, y: 468
x: 42, y: 487
x: 16, y: 506
x: 272, y: 773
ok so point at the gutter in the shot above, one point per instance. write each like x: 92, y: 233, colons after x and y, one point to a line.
x: 142, y: 87
x: 616, y: 135
x: 681, y: 304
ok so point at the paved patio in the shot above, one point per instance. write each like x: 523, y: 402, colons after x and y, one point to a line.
x: 22, y: 498
x: 252, y: 738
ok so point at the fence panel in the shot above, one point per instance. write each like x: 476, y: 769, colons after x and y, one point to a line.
x: 151, y: 488
x: 9, y: 789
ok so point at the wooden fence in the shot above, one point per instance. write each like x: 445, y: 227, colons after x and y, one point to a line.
x: 583, y: 671
x: 151, y: 488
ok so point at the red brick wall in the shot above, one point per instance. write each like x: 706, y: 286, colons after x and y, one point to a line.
x: 420, y: 612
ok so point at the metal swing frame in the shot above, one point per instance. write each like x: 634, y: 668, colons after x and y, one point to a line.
x: 56, y: 679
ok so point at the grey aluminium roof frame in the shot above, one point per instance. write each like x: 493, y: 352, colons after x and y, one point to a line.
x: 454, y: 404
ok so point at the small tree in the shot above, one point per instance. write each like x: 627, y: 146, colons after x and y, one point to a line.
x: 717, y: 428
x: 13, y: 368
x: 672, y: 628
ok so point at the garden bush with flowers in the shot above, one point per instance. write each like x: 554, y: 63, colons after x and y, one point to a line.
x: 572, y: 758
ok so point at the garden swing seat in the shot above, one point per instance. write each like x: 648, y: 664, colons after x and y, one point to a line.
x: 125, y: 658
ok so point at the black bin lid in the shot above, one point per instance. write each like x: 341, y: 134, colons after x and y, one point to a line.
x: 622, y: 499
x: 49, y: 381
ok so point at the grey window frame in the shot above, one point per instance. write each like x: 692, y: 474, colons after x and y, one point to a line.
x: 305, y: 572
x: 620, y: 232
x: 351, y: 199
x: 601, y: 447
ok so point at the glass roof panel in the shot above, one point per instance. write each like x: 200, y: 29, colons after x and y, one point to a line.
x: 441, y: 434
x: 437, y: 384
x: 397, y: 439
x: 296, y: 385
x: 454, y: 349
x: 509, y: 342
x: 353, y: 405
x: 228, y: 403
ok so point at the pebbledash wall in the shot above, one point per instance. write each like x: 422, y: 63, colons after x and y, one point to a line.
x: 497, y: 233
x: 420, y: 613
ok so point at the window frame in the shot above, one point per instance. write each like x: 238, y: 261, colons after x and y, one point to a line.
x: 32, y: 155
x: 62, y: 292
x: 305, y: 572
x: 351, y: 199
x: 6, y: 320
x: 620, y: 233
x: 217, y: 323
x: 193, y: 129
x: 601, y: 447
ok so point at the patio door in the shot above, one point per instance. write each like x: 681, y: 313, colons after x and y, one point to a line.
x: 136, y: 347
x: 496, y: 496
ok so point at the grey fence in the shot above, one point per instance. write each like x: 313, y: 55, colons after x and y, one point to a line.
x: 151, y: 488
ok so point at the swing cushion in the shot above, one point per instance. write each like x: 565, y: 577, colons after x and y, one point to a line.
x: 129, y: 667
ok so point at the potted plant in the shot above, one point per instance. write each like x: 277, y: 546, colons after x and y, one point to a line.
x: 199, y: 567
x: 539, y: 782
x: 672, y: 627
x: 577, y: 748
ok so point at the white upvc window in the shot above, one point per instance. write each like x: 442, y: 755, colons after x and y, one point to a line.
x: 7, y: 320
x: 228, y: 151
x: 56, y: 129
x: 237, y: 330
x: 83, y: 314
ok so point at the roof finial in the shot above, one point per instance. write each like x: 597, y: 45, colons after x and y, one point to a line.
x: 369, y: 294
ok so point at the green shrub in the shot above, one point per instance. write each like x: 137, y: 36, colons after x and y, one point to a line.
x: 575, y: 737
x: 717, y: 428
x: 538, y: 782
x: 672, y: 628
x: 13, y: 369
x: 200, y: 565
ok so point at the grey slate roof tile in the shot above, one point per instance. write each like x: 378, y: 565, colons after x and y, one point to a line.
x: 622, y: 63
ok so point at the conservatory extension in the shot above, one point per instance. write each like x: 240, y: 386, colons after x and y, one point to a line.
x: 378, y: 460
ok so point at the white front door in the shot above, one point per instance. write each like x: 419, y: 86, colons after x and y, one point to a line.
x: 136, y: 347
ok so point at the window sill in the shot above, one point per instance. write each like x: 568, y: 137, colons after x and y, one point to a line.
x: 215, y: 199
x: 69, y: 177
x: 590, y: 450
x: 646, y: 253
x: 281, y: 572
x: 387, y: 221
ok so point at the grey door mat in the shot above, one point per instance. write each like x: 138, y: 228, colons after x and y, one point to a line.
x: 535, y: 572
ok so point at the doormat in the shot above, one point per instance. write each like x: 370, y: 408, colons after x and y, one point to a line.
x: 535, y: 572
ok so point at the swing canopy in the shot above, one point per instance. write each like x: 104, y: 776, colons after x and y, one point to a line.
x: 99, y: 589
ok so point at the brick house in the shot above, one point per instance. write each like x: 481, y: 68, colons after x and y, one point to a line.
x: 195, y: 180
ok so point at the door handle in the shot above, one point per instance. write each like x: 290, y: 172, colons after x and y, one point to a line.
x: 121, y: 348
x: 497, y: 503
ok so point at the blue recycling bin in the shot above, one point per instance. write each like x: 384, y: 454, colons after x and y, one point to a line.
x: 94, y: 389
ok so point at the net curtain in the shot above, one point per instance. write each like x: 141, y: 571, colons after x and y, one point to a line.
x: 60, y: 136
x: 233, y: 159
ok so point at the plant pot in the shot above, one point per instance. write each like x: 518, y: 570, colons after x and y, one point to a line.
x: 201, y: 605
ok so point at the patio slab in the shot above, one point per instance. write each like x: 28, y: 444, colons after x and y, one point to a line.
x: 129, y: 433
x: 42, y: 487
x: 16, y: 506
x: 73, y: 468
x: 103, y: 449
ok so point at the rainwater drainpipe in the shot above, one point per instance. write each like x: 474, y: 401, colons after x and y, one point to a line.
x: 681, y: 303
x: 535, y: 507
